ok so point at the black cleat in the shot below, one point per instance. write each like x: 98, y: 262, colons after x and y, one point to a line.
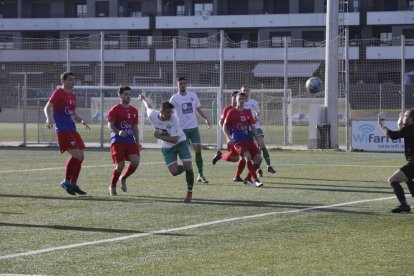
x: 68, y: 187
x: 259, y: 173
x: 270, y: 169
x: 402, y: 209
x: 78, y: 190
x: 216, y: 157
x: 238, y: 179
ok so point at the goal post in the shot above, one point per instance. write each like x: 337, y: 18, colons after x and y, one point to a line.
x: 103, y: 97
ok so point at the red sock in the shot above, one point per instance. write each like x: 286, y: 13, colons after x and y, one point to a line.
x: 76, y: 171
x: 115, y: 177
x: 240, y: 167
x: 130, y: 170
x: 252, y: 170
x: 71, y: 163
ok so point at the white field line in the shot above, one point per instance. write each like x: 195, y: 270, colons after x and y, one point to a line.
x: 182, y: 228
x: 158, y: 163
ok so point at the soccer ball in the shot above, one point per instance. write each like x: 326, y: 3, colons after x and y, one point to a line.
x: 314, y: 85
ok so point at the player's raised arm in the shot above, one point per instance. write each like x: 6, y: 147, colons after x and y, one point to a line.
x: 144, y: 101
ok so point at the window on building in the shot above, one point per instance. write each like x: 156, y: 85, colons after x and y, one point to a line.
x: 79, y: 41
x: 277, y: 39
x: 390, y: 5
x: 101, y: 8
x: 280, y: 6
x: 198, y: 40
x: 179, y: 8
x: 306, y: 6
x: 6, y: 42
x: 112, y: 41
x: 385, y: 38
x: 81, y: 10
x: 134, y: 9
x: 40, y: 10
x: 409, y: 36
x: 8, y: 9
x: 237, y: 7
x: 203, y: 7
x: 313, y: 38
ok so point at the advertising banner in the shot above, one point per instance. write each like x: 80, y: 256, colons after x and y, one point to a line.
x: 367, y: 136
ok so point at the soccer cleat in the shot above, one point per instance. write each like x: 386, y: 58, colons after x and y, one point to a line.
x: 112, y: 191
x: 202, y: 179
x: 67, y: 186
x: 123, y: 184
x: 78, y: 190
x: 238, y: 179
x: 249, y: 182
x: 270, y: 169
x: 402, y: 209
x: 188, y: 197
x: 260, y: 172
x: 257, y: 183
x: 216, y: 157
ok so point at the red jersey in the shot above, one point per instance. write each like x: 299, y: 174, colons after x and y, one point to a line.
x: 124, y: 118
x: 238, y: 123
x: 64, y: 104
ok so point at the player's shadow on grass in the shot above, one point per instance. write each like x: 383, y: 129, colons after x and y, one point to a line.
x: 279, y: 187
x: 85, y: 229
x: 383, y: 187
x: 69, y: 197
x: 327, y: 179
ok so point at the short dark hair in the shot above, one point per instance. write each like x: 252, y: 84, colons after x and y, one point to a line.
x: 166, y: 105
x: 180, y: 79
x: 235, y: 92
x: 122, y: 89
x: 65, y: 75
x: 411, y: 113
x: 242, y: 94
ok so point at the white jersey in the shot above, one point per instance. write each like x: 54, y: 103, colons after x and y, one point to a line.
x: 253, y: 105
x: 169, y: 127
x: 185, y: 109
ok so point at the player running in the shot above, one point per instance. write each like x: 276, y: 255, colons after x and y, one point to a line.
x: 123, y: 124
x: 253, y: 105
x: 173, y: 142
x: 63, y: 102
x: 186, y: 105
x: 239, y: 127
x: 231, y: 155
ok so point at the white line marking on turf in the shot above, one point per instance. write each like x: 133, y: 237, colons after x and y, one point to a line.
x: 157, y: 163
x: 163, y: 231
x: 58, y: 168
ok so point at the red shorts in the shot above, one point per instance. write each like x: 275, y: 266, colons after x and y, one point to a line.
x: 249, y: 146
x: 69, y: 140
x: 122, y: 151
x: 231, y: 150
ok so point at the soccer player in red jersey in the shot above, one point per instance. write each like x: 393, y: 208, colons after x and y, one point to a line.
x: 123, y: 124
x: 231, y: 155
x: 63, y: 102
x: 239, y: 127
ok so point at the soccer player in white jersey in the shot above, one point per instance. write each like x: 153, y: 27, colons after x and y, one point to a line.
x: 186, y: 106
x: 253, y: 105
x: 173, y: 142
